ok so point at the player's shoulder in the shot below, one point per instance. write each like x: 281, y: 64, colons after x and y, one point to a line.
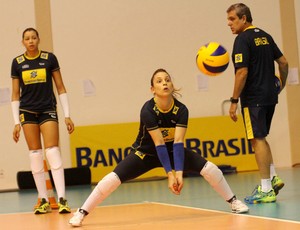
x: 179, y: 106
x: 148, y: 104
x: 179, y: 103
x: 254, y: 30
x: 19, y: 59
x: 149, y: 107
x: 47, y: 55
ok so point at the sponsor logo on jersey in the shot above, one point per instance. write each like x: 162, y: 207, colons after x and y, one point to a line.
x: 156, y: 110
x: 168, y: 134
x: 44, y: 56
x: 34, y: 76
x: 20, y: 59
x: 238, y: 58
x: 175, y: 110
x: 140, y: 154
x: 26, y: 66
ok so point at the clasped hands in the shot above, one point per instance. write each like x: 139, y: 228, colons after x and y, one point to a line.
x: 175, y: 181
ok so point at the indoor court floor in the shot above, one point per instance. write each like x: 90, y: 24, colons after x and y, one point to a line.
x: 150, y: 205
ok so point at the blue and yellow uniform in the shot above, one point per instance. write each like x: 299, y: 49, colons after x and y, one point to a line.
x: 35, y: 76
x: 256, y: 50
x: 143, y: 156
x: 152, y: 118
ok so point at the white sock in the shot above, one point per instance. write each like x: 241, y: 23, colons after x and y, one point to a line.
x: 57, y: 170
x: 102, y: 190
x: 59, y: 181
x: 272, y: 171
x: 37, y: 168
x: 214, y: 176
x: 266, y: 185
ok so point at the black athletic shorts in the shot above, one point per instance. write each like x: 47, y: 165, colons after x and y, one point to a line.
x: 137, y: 163
x: 257, y: 120
x: 27, y: 117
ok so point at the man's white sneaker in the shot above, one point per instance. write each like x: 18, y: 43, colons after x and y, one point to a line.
x: 77, y: 218
x: 238, y: 206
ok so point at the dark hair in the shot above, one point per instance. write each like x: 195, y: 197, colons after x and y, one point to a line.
x: 155, y: 72
x: 241, y: 9
x: 30, y: 29
x: 175, y: 92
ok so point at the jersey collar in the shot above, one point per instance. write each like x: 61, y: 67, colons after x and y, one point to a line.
x: 250, y: 27
x: 164, y: 111
x: 31, y: 58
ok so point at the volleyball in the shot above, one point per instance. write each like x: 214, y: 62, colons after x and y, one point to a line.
x: 212, y: 59
x: 278, y: 83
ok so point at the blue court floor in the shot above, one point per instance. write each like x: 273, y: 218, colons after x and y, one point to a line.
x: 196, y: 193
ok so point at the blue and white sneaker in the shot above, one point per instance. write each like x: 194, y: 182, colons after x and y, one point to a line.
x: 259, y: 196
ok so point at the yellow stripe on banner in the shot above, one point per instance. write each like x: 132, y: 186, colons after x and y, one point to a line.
x: 248, y: 123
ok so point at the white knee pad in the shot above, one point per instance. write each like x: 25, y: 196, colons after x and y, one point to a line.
x: 108, y: 184
x: 212, y: 174
x: 54, y: 157
x: 36, y: 161
x: 103, y: 189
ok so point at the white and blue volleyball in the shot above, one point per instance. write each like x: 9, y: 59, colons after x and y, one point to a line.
x: 212, y: 59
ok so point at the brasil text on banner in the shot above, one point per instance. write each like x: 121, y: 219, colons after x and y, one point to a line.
x: 218, y: 139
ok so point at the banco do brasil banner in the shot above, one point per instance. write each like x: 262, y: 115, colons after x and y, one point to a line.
x: 218, y: 139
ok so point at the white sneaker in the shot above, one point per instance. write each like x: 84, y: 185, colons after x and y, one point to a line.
x: 238, y: 206
x: 77, y: 218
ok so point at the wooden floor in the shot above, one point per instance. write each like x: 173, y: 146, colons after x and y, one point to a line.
x: 146, y: 216
x: 150, y: 205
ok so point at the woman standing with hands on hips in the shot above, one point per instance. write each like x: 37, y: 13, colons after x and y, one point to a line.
x: 34, y: 109
x: 163, y: 124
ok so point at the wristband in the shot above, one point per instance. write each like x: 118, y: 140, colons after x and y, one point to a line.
x: 65, y: 104
x: 233, y: 100
x: 15, y: 105
x: 178, y: 153
x: 163, y: 157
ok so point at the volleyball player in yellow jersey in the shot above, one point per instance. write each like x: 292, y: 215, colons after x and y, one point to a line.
x: 163, y: 124
x: 34, y: 108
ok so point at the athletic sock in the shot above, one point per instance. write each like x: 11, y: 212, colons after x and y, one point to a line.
x: 272, y: 171
x: 266, y: 185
